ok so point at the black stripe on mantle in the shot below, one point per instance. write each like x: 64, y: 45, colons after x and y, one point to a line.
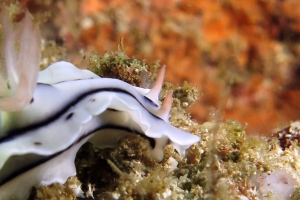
x: 48, y: 158
x: 10, y: 135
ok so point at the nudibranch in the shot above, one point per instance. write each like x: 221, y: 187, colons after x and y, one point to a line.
x: 39, y: 140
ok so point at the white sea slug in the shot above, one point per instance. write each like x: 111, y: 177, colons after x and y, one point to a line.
x: 46, y: 117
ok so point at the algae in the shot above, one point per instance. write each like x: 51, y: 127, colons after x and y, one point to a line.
x: 118, y: 65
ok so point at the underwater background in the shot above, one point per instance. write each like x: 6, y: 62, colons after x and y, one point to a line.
x: 242, y: 96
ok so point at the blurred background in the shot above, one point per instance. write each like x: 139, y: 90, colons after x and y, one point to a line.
x: 244, y: 56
